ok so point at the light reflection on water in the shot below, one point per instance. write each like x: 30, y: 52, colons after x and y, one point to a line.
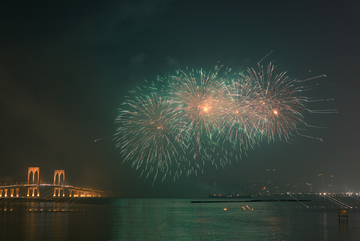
x: 174, y: 219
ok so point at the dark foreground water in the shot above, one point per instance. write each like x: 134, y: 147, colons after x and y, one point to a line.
x: 177, y: 219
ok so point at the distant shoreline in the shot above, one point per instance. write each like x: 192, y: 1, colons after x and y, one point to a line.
x: 254, y: 200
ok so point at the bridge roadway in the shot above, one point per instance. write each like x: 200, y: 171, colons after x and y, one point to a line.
x: 45, y: 191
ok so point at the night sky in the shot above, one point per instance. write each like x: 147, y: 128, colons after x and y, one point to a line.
x: 65, y: 67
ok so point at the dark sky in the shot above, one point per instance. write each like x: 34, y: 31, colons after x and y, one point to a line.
x: 65, y: 67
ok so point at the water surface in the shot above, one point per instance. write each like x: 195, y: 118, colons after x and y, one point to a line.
x: 176, y: 219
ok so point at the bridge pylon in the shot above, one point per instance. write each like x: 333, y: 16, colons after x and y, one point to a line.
x: 31, y: 175
x: 57, y: 177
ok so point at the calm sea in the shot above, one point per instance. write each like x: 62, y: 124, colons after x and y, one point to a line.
x: 177, y: 219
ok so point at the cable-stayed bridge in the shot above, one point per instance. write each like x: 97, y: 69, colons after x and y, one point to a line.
x: 35, y: 189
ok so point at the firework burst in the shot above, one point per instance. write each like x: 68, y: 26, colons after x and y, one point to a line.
x: 198, y: 118
x: 236, y: 110
x: 195, y: 96
x: 148, y: 134
x: 277, y: 109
